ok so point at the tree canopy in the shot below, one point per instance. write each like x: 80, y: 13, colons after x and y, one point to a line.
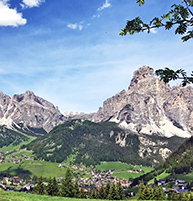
x: 179, y: 16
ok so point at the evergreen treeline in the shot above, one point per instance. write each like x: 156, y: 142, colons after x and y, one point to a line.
x: 71, y: 189
x: 8, y: 136
x: 181, y: 160
x: 149, y: 192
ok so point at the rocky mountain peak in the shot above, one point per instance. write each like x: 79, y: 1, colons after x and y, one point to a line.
x: 150, y: 106
x: 27, y: 96
x: 29, y: 110
x: 141, y: 74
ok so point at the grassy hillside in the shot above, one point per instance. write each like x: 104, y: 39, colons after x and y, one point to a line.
x: 124, y: 170
x: 28, y: 166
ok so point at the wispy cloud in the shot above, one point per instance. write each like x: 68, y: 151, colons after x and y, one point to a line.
x: 107, y: 4
x: 75, y: 26
x: 96, y: 16
x: 80, y: 26
x: 9, y: 16
x: 32, y: 3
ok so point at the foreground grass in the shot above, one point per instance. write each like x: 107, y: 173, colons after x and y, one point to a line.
x: 16, y: 196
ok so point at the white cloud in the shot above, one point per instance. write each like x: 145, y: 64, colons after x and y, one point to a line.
x: 32, y: 3
x: 10, y: 17
x: 72, y: 26
x: 104, y: 6
x: 153, y: 31
x: 96, y: 16
x: 75, y: 26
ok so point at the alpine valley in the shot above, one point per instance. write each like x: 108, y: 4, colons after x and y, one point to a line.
x: 141, y: 125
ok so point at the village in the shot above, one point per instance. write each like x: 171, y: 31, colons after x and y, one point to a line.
x: 96, y: 180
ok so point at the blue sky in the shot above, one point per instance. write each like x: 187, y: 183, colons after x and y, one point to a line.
x: 70, y: 53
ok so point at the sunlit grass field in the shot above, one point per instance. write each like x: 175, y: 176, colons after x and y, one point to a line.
x: 16, y: 196
x: 122, y: 169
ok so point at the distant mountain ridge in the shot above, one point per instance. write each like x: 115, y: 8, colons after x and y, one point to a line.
x: 28, y: 111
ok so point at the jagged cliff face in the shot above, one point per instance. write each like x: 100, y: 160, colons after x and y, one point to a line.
x: 28, y: 110
x: 150, y: 106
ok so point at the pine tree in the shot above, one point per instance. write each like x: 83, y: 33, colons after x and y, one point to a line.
x: 92, y: 193
x: 96, y: 193
x: 120, y: 191
x: 180, y: 196
x: 185, y: 197
x: 113, y: 195
x: 81, y: 194
x: 76, y: 189
x: 148, y: 192
x: 55, y: 187
x: 107, y: 189
x: 39, y: 188
x: 140, y: 192
x: 102, y: 193
x: 158, y: 193
x: 173, y: 196
x: 67, y: 187
x: 191, y: 196
x: 49, y: 189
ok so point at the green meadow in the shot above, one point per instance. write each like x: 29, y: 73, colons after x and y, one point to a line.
x: 122, y: 169
x: 16, y: 196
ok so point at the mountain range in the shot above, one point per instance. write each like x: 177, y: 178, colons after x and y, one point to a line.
x: 149, y: 106
x: 145, y: 123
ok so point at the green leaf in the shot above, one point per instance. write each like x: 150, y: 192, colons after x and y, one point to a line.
x: 168, y: 25
x: 140, y: 2
x: 181, y: 29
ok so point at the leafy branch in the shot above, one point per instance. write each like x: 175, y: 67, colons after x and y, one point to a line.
x: 180, y: 15
x: 168, y: 74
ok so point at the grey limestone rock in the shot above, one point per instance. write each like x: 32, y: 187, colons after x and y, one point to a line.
x: 152, y: 105
x: 30, y: 111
